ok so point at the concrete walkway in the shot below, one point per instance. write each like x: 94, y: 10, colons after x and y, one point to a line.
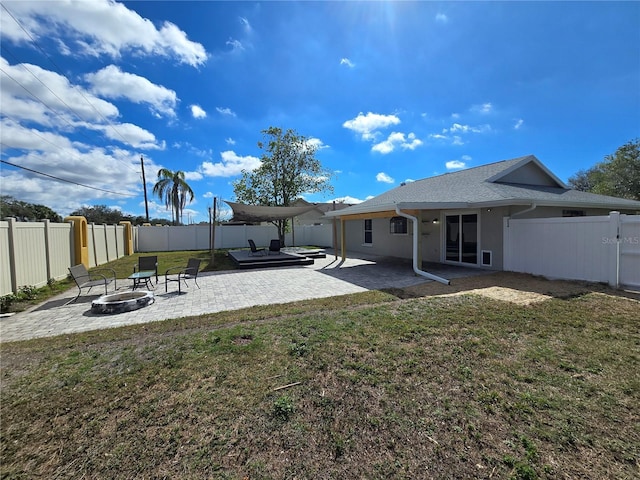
x: 219, y: 291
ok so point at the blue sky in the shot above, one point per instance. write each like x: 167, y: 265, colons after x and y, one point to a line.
x: 388, y: 91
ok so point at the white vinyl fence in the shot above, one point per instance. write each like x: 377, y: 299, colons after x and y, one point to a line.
x: 33, y: 252
x: 596, y: 249
x: 197, y: 237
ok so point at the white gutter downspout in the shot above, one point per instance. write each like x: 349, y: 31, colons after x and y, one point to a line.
x: 416, y: 233
x: 526, y: 210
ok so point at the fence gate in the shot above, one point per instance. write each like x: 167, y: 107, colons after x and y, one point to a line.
x: 629, y: 245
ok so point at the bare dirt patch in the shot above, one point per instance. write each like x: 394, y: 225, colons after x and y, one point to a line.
x: 518, y: 288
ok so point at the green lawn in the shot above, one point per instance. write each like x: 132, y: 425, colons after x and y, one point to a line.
x: 360, y: 386
x: 29, y: 296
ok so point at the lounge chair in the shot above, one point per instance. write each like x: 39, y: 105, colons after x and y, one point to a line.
x: 254, y: 250
x: 147, y: 263
x: 274, y: 247
x: 182, y: 274
x: 98, y: 277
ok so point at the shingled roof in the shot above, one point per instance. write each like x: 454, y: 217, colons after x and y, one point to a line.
x: 519, y: 181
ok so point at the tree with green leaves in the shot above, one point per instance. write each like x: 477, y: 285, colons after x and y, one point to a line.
x: 173, y: 189
x: 99, y: 214
x: 24, y: 211
x: 289, y: 169
x: 618, y: 175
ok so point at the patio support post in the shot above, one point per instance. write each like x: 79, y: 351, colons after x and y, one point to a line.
x: 343, y: 239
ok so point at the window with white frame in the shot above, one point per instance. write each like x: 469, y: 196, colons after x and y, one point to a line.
x: 398, y: 226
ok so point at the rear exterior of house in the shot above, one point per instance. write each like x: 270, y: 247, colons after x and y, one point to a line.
x: 460, y: 218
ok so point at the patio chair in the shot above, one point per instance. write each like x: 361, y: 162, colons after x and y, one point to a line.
x: 254, y: 250
x: 147, y: 263
x: 98, y: 277
x: 182, y: 274
x: 274, y: 247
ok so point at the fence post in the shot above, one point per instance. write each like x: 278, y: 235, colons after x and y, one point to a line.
x: 612, y: 243
x: 12, y: 254
x: 47, y: 247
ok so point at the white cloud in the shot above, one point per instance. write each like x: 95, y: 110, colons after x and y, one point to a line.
x: 77, y: 103
x: 317, y: 143
x: 100, y: 27
x: 384, y: 178
x: 236, y: 45
x: 208, y: 195
x: 442, y: 18
x: 193, y: 176
x: 455, y: 165
x: 230, y: 141
x: 457, y: 127
x: 366, y: 125
x: 397, y: 139
x: 111, y: 82
x: 113, y: 170
x: 245, y: 25
x: 197, y: 111
x: 347, y: 62
x: 130, y: 134
x: 518, y: 124
x: 438, y: 136
x: 348, y: 200
x: 231, y: 165
x: 484, y: 108
x: 225, y: 111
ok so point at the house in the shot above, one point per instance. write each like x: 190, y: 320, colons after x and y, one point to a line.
x: 459, y: 218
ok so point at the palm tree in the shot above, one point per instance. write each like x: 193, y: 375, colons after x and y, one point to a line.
x: 174, y: 190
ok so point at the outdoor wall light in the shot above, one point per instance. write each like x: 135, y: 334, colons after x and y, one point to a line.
x: 436, y: 221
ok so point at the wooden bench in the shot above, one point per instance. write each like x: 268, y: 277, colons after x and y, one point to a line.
x: 98, y: 277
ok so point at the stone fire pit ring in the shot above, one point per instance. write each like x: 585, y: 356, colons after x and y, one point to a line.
x: 122, y: 302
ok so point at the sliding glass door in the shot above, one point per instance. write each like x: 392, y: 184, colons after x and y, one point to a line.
x: 461, y: 238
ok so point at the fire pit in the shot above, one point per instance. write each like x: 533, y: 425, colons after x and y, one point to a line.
x: 122, y: 302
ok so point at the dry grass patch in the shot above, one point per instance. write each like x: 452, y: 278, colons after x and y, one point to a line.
x: 518, y: 288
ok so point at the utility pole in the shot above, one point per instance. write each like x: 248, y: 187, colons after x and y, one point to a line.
x: 144, y: 186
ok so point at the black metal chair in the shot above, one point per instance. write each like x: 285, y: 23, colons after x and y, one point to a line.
x: 97, y: 278
x: 274, y: 247
x: 254, y: 250
x: 182, y: 274
x: 147, y: 263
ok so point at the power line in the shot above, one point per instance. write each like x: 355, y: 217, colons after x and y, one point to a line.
x: 37, y: 134
x: 67, y: 181
x: 57, y: 114
x: 58, y: 69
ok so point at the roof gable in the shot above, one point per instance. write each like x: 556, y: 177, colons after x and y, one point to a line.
x: 519, y: 181
x: 528, y: 171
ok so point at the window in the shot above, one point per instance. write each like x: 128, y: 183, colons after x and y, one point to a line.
x: 368, y: 232
x: 573, y: 213
x: 398, y: 225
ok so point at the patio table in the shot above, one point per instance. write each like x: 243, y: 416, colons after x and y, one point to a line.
x: 140, y: 278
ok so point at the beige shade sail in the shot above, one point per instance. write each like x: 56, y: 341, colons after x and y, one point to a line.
x: 260, y: 213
